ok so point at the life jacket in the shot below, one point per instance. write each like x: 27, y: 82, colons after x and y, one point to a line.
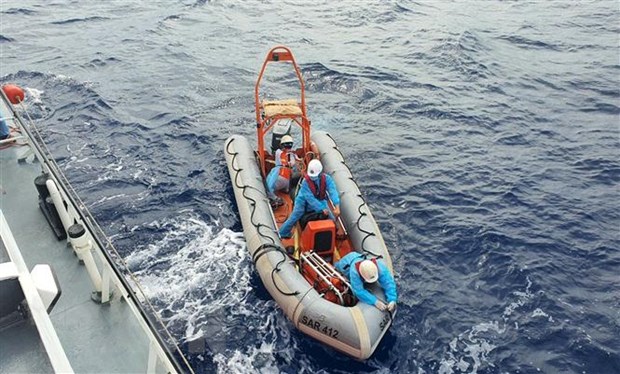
x: 357, y: 265
x: 320, y: 192
x: 285, y: 168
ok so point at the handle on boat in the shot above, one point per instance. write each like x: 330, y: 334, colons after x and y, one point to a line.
x: 280, y: 53
x: 331, y: 205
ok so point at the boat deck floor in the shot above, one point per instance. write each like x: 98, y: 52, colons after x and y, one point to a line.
x: 96, y: 338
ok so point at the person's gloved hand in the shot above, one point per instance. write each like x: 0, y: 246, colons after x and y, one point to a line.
x: 391, y: 306
x: 380, y: 305
x: 336, y: 211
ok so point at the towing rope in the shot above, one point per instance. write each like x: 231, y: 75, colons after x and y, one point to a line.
x: 11, y: 141
x: 267, y: 247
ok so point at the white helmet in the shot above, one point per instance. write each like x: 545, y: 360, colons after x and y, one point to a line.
x: 286, y: 139
x: 314, y: 168
x: 368, y: 270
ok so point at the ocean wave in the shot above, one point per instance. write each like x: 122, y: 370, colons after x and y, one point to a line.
x: 20, y: 11
x: 71, y: 21
x: 6, y: 39
x: 528, y: 43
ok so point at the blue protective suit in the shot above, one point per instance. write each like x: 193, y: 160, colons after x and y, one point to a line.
x: 386, y: 280
x: 306, y: 202
x: 4, y: 128
x: 272, y: 181
x: 275, y: 182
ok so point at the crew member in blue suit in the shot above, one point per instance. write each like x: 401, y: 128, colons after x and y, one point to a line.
x: 312, y: 197
x: 360, y: 270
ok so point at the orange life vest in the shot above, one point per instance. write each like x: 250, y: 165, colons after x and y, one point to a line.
x: 318, y: 191
x: 285, y: 168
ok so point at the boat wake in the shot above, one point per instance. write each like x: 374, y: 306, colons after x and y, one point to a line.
x: 200, y: 279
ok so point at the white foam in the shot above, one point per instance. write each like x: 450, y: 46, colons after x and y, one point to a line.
x: 107, y: 198
x: 245, y: 362
x: 540, y: 313
x: 198, y: 277
x: 469, y: 351
x: 522, y: 298
x: 35, y: 95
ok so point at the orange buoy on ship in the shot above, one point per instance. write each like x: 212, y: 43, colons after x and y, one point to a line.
x: 14, y: 93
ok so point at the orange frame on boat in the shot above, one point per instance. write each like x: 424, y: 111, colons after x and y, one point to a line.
x: 268, y: 113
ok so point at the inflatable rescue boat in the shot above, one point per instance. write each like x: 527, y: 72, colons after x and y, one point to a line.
x: 299, y: 272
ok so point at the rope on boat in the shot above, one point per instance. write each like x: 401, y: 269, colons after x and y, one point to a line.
x: 277, y: 270
x: 267, y: 247
x: 359, y: 208
x: 253, y: 202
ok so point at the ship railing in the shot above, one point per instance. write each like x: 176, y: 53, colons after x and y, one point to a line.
x: 114, y: 269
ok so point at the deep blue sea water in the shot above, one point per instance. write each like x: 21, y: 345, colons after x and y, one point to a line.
x: 484, y: 134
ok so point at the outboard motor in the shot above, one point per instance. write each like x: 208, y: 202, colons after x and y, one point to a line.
x: 281, y: 128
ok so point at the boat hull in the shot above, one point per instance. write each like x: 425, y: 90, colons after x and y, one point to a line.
x: 355, y: 331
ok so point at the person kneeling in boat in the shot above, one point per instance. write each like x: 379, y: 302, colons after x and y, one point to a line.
x: 360, y: 271
x: 279, y: 177
x: 312, y: 198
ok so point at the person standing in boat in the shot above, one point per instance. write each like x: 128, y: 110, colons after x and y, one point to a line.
x: 316, y: 188
x: 279, y: 177
x: 361, y: 271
